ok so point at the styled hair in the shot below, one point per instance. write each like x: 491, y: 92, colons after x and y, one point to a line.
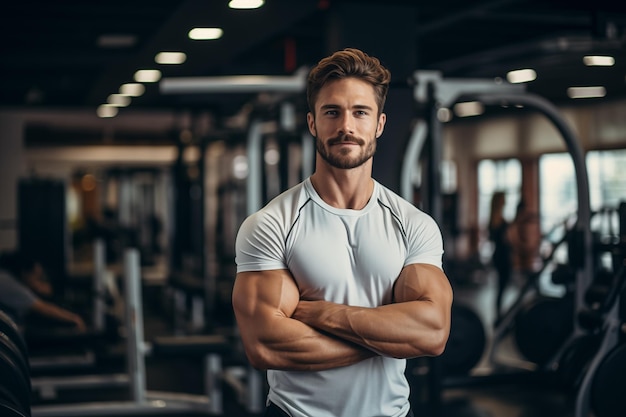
x: 349, y: 63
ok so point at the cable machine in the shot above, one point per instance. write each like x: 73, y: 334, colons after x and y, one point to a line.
x: 433, y: 92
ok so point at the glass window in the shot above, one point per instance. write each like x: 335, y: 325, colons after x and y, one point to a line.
x: 558, y: 198
x: 498, y: 175
x: 607, y: 178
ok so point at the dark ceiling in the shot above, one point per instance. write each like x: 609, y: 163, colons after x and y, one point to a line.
x: 51, y: 59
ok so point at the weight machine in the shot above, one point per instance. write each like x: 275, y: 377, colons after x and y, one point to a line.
x: 277, y: 90
x: 143, y: 402
x: 433, y: 92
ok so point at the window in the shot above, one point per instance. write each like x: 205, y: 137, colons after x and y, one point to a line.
x: 498, y: 175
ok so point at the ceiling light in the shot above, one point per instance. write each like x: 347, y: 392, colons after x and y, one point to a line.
x: 132, y: 89
x: 147, y: 76
x: 586, y: 92
x: 170, y: 58
x: 118, y: 100
x: 106, y: 110
x: 521, y: 76
x: 598, y: 61
x: 245, y: 4
x: 203, y: 34
x: 469, y: 108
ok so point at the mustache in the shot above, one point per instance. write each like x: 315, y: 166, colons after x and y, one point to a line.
x: 345, y: 138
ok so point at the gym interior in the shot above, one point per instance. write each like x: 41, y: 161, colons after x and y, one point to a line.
x: 130, y: 190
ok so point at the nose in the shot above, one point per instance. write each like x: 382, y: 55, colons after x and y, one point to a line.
x: 346, y: 125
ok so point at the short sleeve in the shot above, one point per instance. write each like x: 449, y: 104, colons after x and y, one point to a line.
x: 425, y: 242
x: 260, y: 244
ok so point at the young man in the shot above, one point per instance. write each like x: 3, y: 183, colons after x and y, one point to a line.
x: 339, y: 280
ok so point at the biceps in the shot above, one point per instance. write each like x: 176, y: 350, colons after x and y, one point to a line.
x: 423, y: 282
x: 258, y: 297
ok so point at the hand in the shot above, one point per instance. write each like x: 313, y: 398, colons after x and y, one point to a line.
x: 310, y: 312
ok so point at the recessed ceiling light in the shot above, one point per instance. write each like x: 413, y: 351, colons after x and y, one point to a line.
x: 204, y: 34
x: 521, y: 76
x: 147, y: 76
x: 132, y: 89
x: 245, y: 4
x: 586, y: 92
x: 106, y: 110
x: 170, y: 58
x: 599, y: 61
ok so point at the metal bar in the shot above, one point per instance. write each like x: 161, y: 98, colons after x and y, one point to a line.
x: 134, y: 325
x: 234, y: 84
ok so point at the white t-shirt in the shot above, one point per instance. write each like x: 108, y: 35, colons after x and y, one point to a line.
x: 344, y: 256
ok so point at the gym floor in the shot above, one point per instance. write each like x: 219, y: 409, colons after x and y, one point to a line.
x: 527, y: 398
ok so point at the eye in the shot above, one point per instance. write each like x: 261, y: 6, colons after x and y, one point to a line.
x: 330, y: 112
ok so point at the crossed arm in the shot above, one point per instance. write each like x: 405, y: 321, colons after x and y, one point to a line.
x: 279, y: 331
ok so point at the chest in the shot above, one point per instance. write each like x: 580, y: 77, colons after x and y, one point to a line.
x: 347, y: 259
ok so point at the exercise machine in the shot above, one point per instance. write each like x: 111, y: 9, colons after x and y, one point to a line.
x: 141, y: 400
x: 433, y: 93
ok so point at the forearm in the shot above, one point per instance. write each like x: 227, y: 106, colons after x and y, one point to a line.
x: 401, y: 330
x: 417, y: 323
x: 57, y: 313
x: 288, y: 344
x: 264, y: 303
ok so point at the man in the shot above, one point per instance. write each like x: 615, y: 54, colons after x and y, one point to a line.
x: 23, y: 291
x: 339, y: 280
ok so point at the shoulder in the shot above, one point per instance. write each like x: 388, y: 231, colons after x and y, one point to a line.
x: 401, y: 208
x: 281, y: 211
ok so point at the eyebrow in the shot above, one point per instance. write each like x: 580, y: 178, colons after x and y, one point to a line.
x: 355, y: 107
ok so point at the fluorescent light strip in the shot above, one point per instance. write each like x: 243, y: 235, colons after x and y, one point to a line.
x: 586, y: 92
x: 147, y: 76
x: 132, y: 89
x: 245, y: 4
x: 205, y: 34
x: 106, y: 110
x: 521, y: 76
x: 598, y: 61
x: 170, y: 58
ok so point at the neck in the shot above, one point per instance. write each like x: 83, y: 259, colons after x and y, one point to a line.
x: 344, y: 188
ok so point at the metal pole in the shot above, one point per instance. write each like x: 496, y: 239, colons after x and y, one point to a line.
x: 99, y: 263
x: 134, y: 326
x: 255, y: 155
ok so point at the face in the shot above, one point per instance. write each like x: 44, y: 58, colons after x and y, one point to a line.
x: 346, y: 123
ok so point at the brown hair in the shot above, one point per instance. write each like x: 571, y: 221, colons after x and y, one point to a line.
x: 347, y: 63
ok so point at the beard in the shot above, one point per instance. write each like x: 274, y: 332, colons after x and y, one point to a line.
x: 343, y: 159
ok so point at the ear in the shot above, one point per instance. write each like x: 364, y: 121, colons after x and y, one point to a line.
x: 310, y: 121
x: 382, y: 119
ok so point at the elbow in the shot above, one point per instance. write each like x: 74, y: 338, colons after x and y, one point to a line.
x: 257, y: 359
x: 436, y: 343
x: 439, y: 343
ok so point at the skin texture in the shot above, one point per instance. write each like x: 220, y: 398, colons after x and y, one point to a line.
x: 281, y: 331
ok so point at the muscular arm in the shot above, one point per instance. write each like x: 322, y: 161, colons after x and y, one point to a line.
x: 264, y: 302
x: 416, y: 324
